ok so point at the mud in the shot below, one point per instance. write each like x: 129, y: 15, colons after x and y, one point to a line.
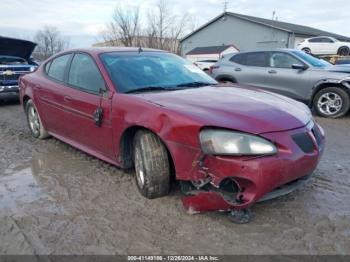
x: 55, y: 199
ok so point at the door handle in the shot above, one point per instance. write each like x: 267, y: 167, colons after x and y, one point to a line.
x: 67, y: 99
x: 272, y: 72
x: 238, y: 69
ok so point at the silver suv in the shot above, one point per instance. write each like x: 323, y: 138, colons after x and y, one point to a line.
x: 292, y: 73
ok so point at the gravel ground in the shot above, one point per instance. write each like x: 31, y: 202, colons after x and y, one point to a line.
x: 55, y: 199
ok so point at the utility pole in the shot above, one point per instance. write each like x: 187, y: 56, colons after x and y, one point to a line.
x: 225, y: 5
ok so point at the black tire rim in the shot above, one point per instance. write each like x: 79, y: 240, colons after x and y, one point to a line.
x: 330, y: 103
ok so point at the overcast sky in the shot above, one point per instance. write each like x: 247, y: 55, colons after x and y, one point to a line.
x: 82, y: 20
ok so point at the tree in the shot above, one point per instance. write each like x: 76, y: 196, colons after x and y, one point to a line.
x: 49, y: 42
x: 124, y: 27
x: 166, y: 28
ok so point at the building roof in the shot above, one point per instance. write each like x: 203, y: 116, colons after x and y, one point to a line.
x: 208, y: 50
x: 288, y: 27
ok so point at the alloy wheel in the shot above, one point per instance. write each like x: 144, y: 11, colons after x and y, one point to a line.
x: 34, y: 121
x: 139, y: 168
x: 330, y: 103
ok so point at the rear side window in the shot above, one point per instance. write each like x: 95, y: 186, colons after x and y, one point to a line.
x: 57, y: 67
x: 257, y: 59
x: 85, y: 75
x: 239, y: 59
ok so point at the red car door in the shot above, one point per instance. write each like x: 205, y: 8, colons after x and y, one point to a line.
x: 51, y: 94
x: 81, y: 102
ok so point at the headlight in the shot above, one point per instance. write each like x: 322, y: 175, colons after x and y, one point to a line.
x: 32, y: 68
x: 223, y: 142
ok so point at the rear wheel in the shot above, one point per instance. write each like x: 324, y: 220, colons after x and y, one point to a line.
x: 34, y: 122
x: 332, y: 102
x: 151, y: 165
x: 307, y: 50
x: 344, y: 51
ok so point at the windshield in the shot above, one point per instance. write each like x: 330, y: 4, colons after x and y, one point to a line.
x: 152, y: 71
x: 312, y: 60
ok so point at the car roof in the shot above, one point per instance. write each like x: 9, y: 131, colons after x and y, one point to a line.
x: 100, y: 50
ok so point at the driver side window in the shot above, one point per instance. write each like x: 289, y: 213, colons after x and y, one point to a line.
x: 282, y: 60
x: 85, y: 75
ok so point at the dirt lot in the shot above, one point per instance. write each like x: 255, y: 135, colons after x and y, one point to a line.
x: 55, y: 199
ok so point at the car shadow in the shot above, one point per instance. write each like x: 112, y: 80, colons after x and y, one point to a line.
x: 9, y: 99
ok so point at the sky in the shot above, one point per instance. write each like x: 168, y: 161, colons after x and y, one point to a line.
x: 82, y: 21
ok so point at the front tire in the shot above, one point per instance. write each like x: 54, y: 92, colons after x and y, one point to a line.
x: 34, y: 122
x: 332, y: 102
x: 151, y: 165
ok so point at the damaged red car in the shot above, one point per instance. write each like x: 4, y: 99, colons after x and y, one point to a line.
x: 148, y: 109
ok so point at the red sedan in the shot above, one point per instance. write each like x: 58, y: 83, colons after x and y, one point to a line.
x: 154, y: 111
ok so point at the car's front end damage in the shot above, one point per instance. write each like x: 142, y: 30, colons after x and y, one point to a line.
x: 233, y: 147
x: 230, y: 182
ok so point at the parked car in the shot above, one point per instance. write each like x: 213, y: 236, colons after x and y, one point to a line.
x: 205, y: 64
x: 160, y: 114
x: 15, y: 60
x: 292, y: 73
x: 324, y: 45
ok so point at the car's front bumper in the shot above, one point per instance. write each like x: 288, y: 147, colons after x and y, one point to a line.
x: 9, y: 89
x: 258, y: 178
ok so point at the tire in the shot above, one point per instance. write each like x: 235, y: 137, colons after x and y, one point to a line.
x: 306, y: 50
x: 151, y: 165
x: 344, y: 51
x: 331, y: 102
x: 33, y: 119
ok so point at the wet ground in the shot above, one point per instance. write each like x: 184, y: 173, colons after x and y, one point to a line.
x: 55, y: 199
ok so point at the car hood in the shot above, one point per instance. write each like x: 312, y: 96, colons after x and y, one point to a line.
x: 339, y: 69
x: 16, y: 47
x: 247, y: 110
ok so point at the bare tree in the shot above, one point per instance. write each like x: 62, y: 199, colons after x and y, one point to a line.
x: 49, y: 41
x: 162, y: 29
x: 124, y: 27
x: 165, y: 29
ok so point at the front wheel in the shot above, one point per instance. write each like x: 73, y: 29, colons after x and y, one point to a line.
x: 151, y: 165
x: 34, y: 122
x: 332, y: 102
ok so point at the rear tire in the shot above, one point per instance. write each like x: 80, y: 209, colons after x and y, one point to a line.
x: 344, y: 51
x: 151, y: 165
x: 306, y: 50
x: 331, y: 102
x: 34, y: 122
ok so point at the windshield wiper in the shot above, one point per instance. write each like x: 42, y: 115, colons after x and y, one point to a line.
x: 148, y: 89
x: 195, y: 84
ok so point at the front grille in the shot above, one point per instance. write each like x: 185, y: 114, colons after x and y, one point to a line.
x: 304, y: 141
x: 9, y: 77
x: 15, y: 68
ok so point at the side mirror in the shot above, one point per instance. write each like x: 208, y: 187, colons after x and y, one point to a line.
x: 299, y: 66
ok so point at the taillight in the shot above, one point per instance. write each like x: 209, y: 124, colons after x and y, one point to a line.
x: 212, y: 68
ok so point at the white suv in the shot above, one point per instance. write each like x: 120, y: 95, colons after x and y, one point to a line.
x: 324, y: 45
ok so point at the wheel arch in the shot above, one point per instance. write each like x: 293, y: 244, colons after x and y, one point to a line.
x: 25, y: 99
x: 126, y: 147
x: 226, y: 78
x: 324, y: 84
